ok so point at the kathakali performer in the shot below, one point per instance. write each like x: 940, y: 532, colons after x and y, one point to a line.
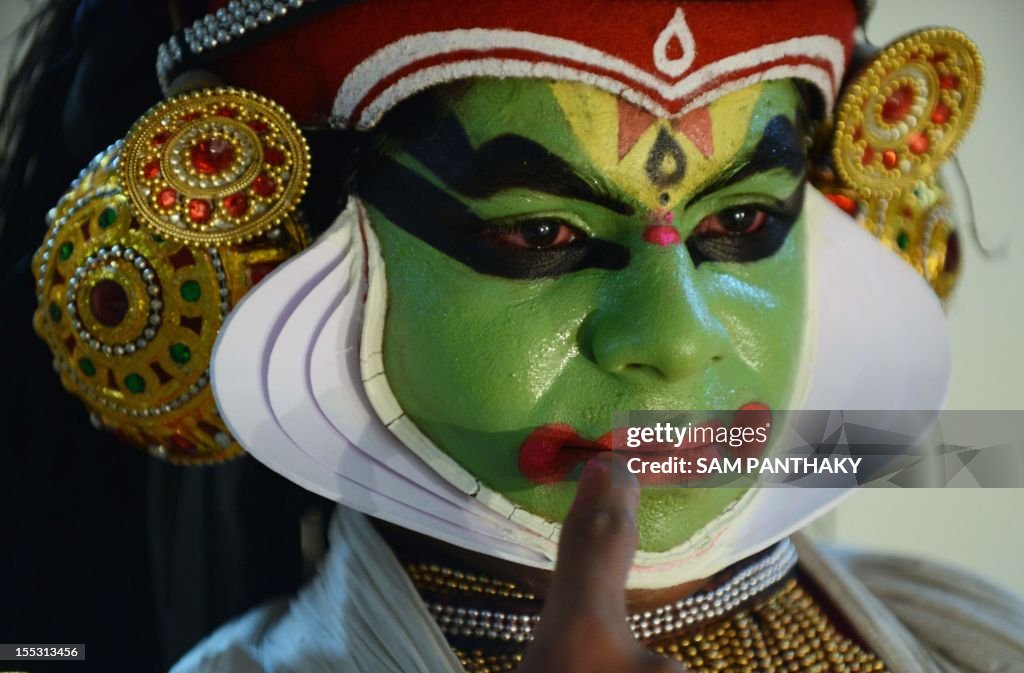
x: 414, y: 255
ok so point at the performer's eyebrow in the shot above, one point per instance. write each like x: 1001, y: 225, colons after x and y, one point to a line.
x: 505, y: 162
x: 780, y: 147
x: 514, y: 162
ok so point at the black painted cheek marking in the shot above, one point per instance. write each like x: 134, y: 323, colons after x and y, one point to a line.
x: 666, y: 164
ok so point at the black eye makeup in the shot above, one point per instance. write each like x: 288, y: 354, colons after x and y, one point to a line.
x: 744, y: 233
x: 545, y: 245
x: 521, y: 248
x: 733, y: 222
x: 538, y: 233
x: 540, y: 247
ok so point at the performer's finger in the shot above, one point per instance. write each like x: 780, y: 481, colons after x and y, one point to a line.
x: 598, y: 539
x: 583, y: 626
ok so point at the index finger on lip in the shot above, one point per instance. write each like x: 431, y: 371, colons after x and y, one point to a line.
x: 598, y: 539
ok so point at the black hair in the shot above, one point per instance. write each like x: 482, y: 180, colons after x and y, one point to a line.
x: 100, y: 539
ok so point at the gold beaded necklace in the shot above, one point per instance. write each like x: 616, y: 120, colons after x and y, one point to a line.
x: 782, y: 630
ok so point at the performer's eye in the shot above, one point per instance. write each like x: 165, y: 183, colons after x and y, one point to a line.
x: 544, y: 233
x: 745, y: 233
x: 541, y: 246
x: 732, y: 222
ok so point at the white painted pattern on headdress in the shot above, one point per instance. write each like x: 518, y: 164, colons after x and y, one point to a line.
x: 508, y: 68
x: 383, y: 64
x: 678, y: 30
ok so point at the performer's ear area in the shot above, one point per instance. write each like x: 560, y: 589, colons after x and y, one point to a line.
x: 902, y: 117
x: 897, y: 123
x: 334, y: 154
x: 149, y: 251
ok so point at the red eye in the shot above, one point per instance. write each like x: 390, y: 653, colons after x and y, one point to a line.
x: 732, y: 222
x: 538, y: 234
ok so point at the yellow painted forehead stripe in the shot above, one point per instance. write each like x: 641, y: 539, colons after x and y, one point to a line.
x: 656, y: 161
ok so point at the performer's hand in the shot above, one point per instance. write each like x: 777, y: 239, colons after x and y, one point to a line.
x: 583, y: 626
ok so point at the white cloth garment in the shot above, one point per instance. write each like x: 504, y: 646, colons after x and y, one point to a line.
x: 361, y: 614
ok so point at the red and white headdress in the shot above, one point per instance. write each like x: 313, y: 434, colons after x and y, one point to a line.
x: 352, y: 62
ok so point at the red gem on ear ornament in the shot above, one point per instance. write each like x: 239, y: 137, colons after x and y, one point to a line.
x: 214, y: 167
x: 897, y: 122
x: 143, y: 259
x: 904, y: 115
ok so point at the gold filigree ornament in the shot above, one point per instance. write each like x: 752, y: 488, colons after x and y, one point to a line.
x: 214, y: 166
x: 130, y: 303
x: 898, y: 121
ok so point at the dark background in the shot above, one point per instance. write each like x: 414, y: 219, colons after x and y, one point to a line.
x: 99, y: 543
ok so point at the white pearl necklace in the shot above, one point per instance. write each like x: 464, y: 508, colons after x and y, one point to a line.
x: 684, y: 613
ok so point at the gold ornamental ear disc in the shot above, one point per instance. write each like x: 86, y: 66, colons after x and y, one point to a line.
x: 214, y: 166
x: 131, y: 316
x: 903, y: 116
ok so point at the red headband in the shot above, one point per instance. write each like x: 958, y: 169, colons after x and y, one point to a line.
x: 354, y: 62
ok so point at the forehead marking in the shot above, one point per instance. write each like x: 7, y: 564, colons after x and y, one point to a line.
x: 666, y: 162
x: 617, y: 138
x: 695, y: 126
x: 633, y: 121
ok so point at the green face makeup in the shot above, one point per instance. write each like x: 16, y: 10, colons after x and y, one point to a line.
x: 554, y: 254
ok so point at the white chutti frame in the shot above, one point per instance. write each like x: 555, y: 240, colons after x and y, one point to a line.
x: 877, y: 340
x: 293, y: 398
x: 244, y: 348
